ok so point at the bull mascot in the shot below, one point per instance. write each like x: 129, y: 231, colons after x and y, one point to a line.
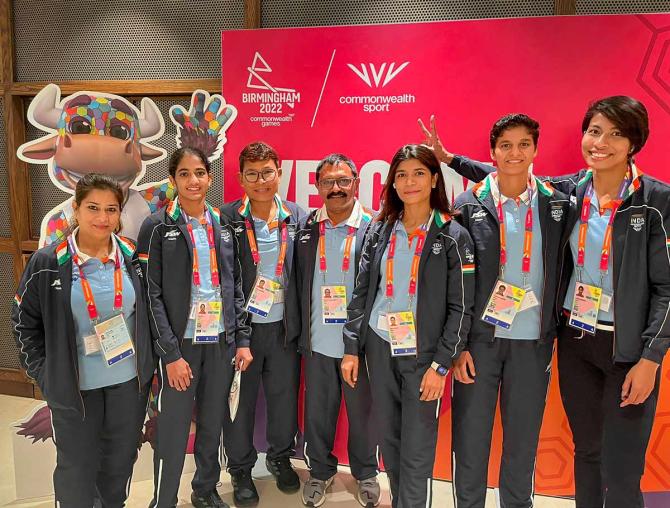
x: 91, y: 132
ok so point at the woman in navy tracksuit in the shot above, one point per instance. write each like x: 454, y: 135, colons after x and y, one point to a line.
x: 96, y: 391
x: 410, y: 313
x: 616, y: 252
x: 516, y: 222
x: 189, y: 255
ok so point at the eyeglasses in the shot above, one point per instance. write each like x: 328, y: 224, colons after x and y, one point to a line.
x: 268, y: 175
x: 342, y: 183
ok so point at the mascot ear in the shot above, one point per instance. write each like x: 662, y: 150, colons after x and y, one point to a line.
x: 149, y: 152
x: 44, y: 149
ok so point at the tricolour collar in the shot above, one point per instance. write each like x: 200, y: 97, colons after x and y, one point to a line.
x: 490, y: 186
x: 174, y: 210
x: 634, y: 174
x: 282, y: 210
x: 63, y: 252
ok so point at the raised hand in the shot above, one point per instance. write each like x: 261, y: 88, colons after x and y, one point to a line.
x: 205, y: 124
x: 434, y: 142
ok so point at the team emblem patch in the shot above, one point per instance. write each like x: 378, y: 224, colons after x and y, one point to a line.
x: 225, y: 235
x: 436, y: 248
x: 637, y: 222
x: 557, y: 214
x: 469, y: 256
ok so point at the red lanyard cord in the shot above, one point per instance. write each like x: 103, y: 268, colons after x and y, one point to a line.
x: 86, y: 286
x: 213, y: 265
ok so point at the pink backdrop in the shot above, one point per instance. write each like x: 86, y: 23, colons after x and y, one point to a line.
x: 304, y: 91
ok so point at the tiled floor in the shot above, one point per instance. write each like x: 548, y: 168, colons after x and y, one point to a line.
x: 341, y: 493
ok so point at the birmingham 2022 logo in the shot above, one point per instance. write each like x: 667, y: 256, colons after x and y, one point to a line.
x: 276, y: 103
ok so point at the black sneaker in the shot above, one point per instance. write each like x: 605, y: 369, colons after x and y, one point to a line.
x: 207, y: 500
x: 287, y: 479
x: 244, y: 490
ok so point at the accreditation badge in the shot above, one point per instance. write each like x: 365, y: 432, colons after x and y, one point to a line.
x: 115, y: 341
x: 402, y: 333
x: 585, y: 306
x: 503, y: 305
x: 334, y: 304
x: 263, y: 296
x: 207, y: 318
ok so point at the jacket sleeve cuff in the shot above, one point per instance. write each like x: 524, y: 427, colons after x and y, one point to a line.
x: 243, y: 343
x: 652, y: 355
x: 351, y: 347
x: 169, y: 356
x: 444, y: 359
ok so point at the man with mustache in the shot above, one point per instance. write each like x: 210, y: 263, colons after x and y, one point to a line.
x: 327, y: 251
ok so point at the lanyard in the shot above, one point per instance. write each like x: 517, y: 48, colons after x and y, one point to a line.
x: 346, y: 258
x: 527, y: 238
x: 418, y: 249
x: 584, y: 225
x: 213, y: 265
x: 86, y: 286
x: 251, y: 236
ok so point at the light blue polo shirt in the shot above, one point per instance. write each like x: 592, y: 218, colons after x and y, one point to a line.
x: 207, y: 292
x: 526, y: 324
x: 402, y: 267
x: 327, y: 339
x: 93, y: 370
x: 591, y: 271
x: 268, y: 242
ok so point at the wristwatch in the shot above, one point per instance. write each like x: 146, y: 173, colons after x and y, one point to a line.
x: 440, y: 369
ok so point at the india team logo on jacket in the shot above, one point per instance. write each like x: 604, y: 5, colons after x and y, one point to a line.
x: 225, y: 235
x: 557, y: 213
x: 637, y: 222
x: 436, y: 248
x: 469, y: 256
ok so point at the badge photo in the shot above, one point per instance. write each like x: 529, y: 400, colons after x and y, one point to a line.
x: 334, y: 304
x: 503, y: 304
x: 402, y: 333
x: 115, y: 341
x: 207, y: 318
x: 262, y: 296
x: 585, y: 307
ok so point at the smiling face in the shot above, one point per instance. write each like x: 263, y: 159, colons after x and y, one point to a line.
x: 337, y: 187
x: 191, y: 179
x: 413, y: 182
x: 260, y: 180
x: 514, y: 151
x: 98, y: 214
x: 604, y: 147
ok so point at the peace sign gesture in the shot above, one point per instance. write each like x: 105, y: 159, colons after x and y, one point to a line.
x: 433, y: 141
